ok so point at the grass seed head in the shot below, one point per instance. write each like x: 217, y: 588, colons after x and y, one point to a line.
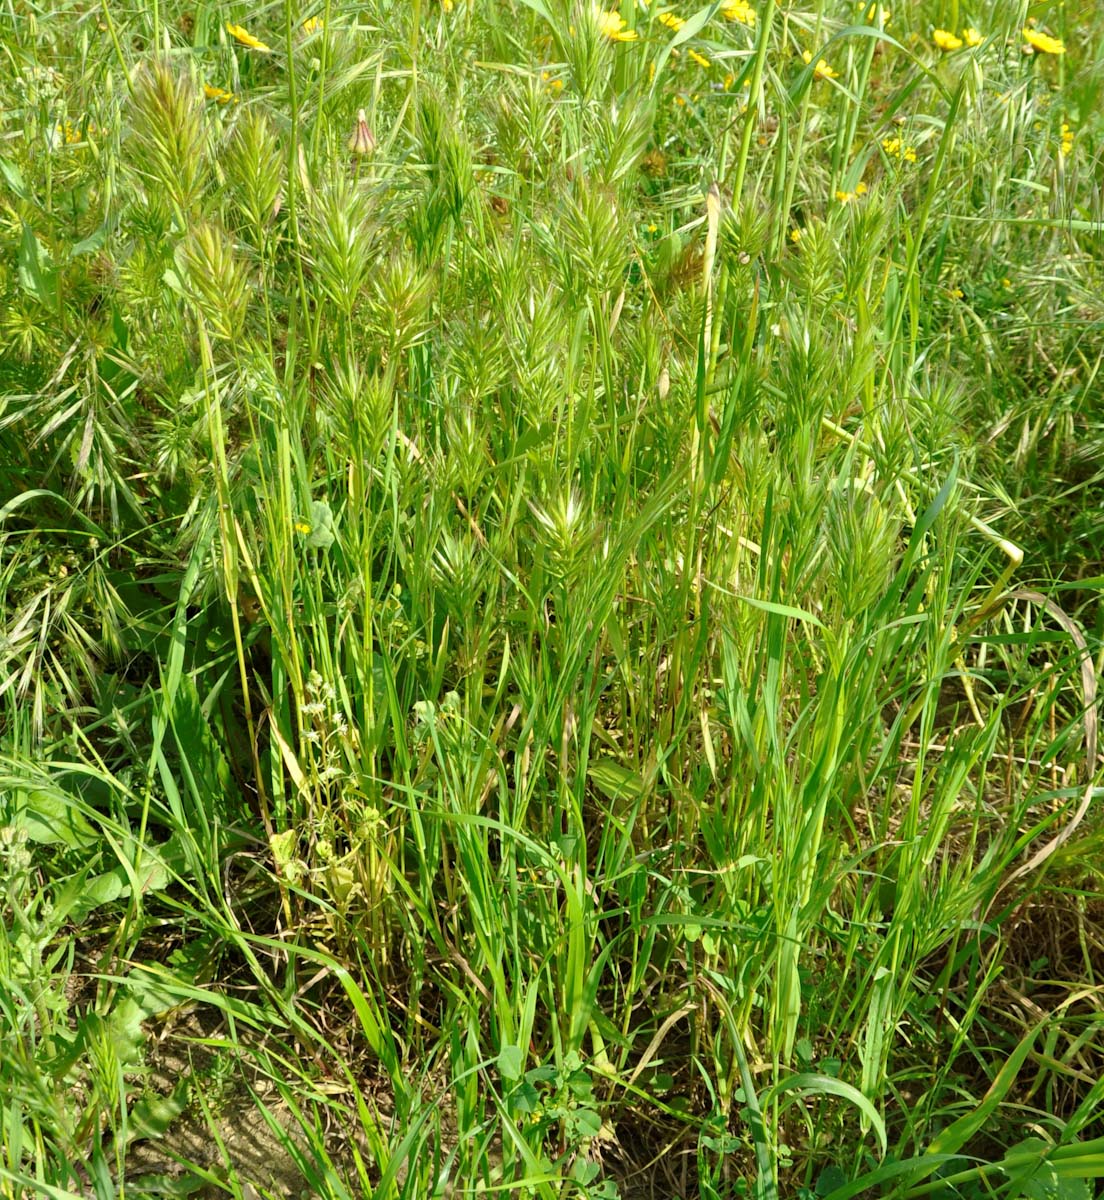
x: 167, y: 145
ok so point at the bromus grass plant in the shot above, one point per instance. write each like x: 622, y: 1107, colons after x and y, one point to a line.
x: 549, y: 569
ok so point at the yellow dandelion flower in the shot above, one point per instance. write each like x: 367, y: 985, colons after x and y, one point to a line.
x: 671, y: 20
x: 946, y: 40
x: 795, y: 236
x: 244, y: 37
x: 652, y: 227
x: 313, y: 25
x: 860, y: 189
x: 822, y: 70
x: 302, y: 527
x: 700, y: 59
x: 1006, y: 282
x: 612, y: 24
x: 220, y: 95
x: 1043, y: 42
x: 738, y: 10
x: 957, y: 293
x: 972, y: 37
x: 845, y: 197
x: 447, y: 5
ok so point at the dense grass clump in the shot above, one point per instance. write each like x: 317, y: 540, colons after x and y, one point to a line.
x: 548, y: 599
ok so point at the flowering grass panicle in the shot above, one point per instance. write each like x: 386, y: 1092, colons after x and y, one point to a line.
x: 254, y: 166
x: 214, y: 278
x: 168, y: 146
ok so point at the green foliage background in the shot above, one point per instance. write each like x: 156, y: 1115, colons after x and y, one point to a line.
x: 525, y: 537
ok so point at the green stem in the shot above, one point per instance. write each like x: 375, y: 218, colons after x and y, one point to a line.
x: 755, y: 93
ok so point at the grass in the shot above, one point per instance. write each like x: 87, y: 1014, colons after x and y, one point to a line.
x: 549, y: 569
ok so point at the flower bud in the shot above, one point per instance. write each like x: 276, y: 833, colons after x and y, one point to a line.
x: 362, y: 140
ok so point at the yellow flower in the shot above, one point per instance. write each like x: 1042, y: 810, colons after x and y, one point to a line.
x: 246, y: 38
x: 217, y: 93
x: 1006, y: 282
x: 612, y: 25
x: 971, y: 36
x: 895, y: 148
x: 945, y: 40
x: 795, y: 236
x: 68, y: 133
x: 874, y: 13
x: 1044, y: 42
x: 1067, y: 140
x: 822, y: 70
x: 739, y: 10
x: 956, y: 293
x: 671, y: 20
x: 447, y: 5
x: 847, y: 197
x: 700, y: 59
x: 302, y: 527
x: 313, y: 25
